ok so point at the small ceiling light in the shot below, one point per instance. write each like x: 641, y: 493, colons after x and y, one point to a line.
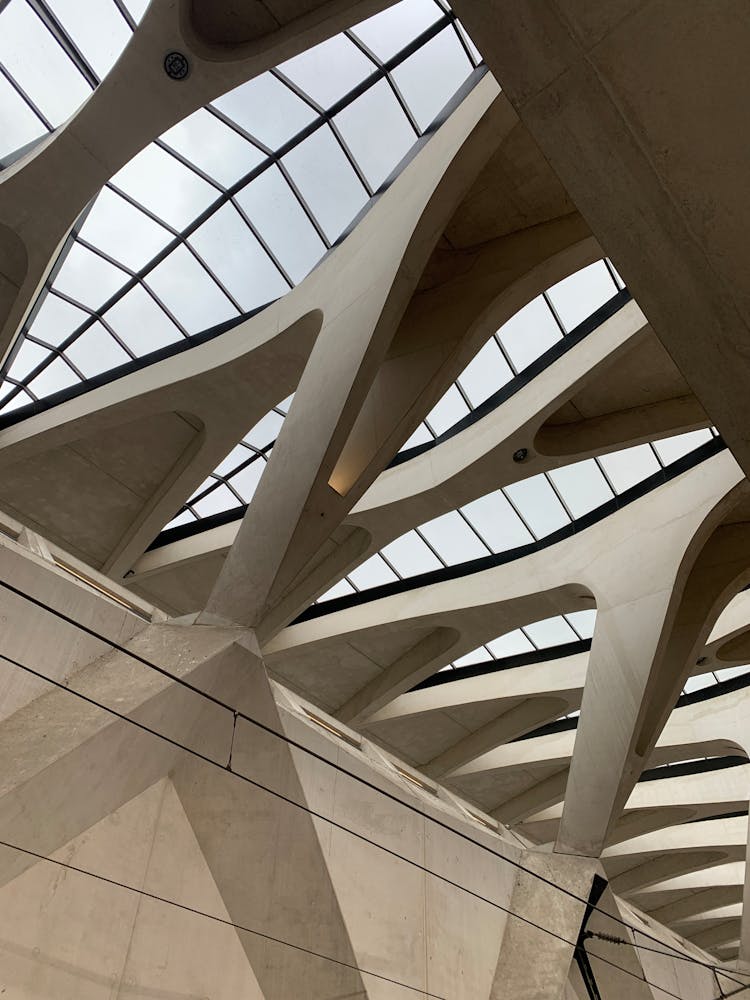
x: 700, y: 661
x: 176, y: 66
x: 520, y: 454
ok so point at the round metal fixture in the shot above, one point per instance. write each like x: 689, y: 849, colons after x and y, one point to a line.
x: 520, y: 455
x: 176, y: 66
x: 700, y: 661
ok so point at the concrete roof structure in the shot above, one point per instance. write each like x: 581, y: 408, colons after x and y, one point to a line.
x: 374, y: 511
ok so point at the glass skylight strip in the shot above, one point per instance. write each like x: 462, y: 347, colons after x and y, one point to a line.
x: 225, y: 241
x: 481, y: 378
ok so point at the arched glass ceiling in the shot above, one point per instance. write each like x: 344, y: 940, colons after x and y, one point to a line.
x: 236, y: 204
x: 517, y: 344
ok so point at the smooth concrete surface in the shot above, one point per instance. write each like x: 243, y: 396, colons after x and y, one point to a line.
x: 338, y: 889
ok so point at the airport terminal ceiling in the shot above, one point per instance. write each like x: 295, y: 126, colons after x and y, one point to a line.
x: 206, y: 231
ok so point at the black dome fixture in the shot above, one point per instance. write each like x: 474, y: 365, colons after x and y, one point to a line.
x: 176, y: 65
x: 520, y: 454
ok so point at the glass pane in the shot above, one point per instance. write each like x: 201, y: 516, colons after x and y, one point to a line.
x: 420, y: 436
x: 431, y: 76
x: 529, y: 333
x: 229, y: 248
x: 511, y: 644
x: 550, y: 632
x: 97, y: 27
x: 727, y: 673
x: 670, y: 449
x: 340, y: 589
x: 576, y: 297
x: 19, y: 123
x: 372, y: 573
x: 49, y: 77
x: 29, y: 355
x: 56, y: 319
x: 488, y: 372
x: 699, y: 682
x: 246, y: 480
x: 631, y: 466
x: 388, y: 32
x: 582, y: 486
x: 123, y: 231
x: 497, y: 522
x: 189, y: 293
x: 267, y: 109
x: 377, y: 132
x: 447, y: 411
x: 327, y: 181
x: 282, y: 223
x: 239, y: 454
x: 266, y: 430
x: 216, y: 501
x: 536, y: 501
x: 480, y: 655
x: 329, y: 71
x: 163, y: 185
x: 141, y: 323
x: 57, y: 375
x: 583, y: 622
x: 409, y: 555
x: 88, y: 278
x: 451, y: 536
x: 213, y: 146
x: 95, y: 351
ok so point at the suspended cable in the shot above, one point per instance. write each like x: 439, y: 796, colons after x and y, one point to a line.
x: 335, y: 765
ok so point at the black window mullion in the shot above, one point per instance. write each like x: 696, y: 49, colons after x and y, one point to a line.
x: 303, y: 204
x: 66, y: 43
x: 193, y: 167
x: 264, y: 245
x: 555, y: 314
x: 213, y: 276
x: 26, y: 99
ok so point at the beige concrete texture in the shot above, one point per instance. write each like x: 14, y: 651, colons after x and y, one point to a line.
x: 657, y: 175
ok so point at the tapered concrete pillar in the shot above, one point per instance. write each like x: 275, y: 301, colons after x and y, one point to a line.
x: 534, y: 961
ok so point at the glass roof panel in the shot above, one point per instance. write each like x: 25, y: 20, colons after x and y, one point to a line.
x: 213, y: 146
x: 453, y: 539
x: 96, y: 349
x: 628, y: 467
x: 550, y: 632
x: 97, y: 27
x: 432, y: 75
x: 302, y: 195
x: 87, y: 277
x: 267, y: 109
x: 141, y: 323
x: 582, y: 486
x: 383, y: 34
x: 576, y: 297
x: 56, y: 319
x: 510, y: 644
x: 327, y: 181
x: 372, y: 573
x: 497, y: 522
x: 20, y: 124
x: 123, y: 231
x: 329, y: 70
x: 376, y: 156
x: 410, y: 555
x: 227, y: 245
x: 538, y: 504
x: 57, y: 375
x: 187, y: 290
x: 281, y: 221
x: 670, y: 449
x: 50, y: 79
x: 528, y: 334
x: 488, y: 372
x: 165, y: 186
x: 447, y: 411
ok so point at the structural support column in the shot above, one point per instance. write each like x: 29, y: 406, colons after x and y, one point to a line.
x: 534, y: 961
